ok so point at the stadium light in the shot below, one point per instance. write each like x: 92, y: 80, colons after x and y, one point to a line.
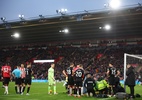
x: 114, y: 4
x: 100, y: 28
x: 64, y: 31
x: 16, y: 35
x: 3, y: 19
x: 41, y: 16
x: 107, y: 27
x: 42, y: 19
x: 61, y: 11
x: 21, y: 16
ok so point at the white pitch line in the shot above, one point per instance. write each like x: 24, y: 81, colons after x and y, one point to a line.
x: 18, y: 94
x: 22, y: 99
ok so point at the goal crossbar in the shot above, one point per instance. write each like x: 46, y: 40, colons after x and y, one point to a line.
x: 135, y: 56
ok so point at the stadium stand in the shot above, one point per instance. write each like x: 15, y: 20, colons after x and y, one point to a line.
x: 93, y: 59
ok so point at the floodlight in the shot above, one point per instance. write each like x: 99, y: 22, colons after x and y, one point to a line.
x: 41, y: 16
x: 114, y: 4
x: 62, y: 11
x: 16, y: 35
x: 107, y: 27
x: 66, y: 30
x: 3, y: 19
x: 21, y: 16
x: 100, y: 28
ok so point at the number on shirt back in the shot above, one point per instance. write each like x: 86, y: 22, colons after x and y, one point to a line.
x: 78, y: 74
x: 68, y: 71
x: 113, y: 71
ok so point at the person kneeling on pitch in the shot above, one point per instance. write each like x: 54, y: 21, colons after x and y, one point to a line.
x: 102, y: 87
x: 89, y: 84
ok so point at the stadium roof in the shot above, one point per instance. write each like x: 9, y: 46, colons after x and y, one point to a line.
x: 125, y: 23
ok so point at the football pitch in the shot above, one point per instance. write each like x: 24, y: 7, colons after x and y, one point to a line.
x: 39, y: 91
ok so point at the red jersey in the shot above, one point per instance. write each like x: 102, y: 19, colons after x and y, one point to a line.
x: 23, y: 72
x: 6, y: 71
x: 75, y: 68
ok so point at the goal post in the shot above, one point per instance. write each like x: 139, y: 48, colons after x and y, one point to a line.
x: 125, y: 70
x: 131, y: 59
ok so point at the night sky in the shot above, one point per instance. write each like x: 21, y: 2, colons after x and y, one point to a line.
x: 32, y: 8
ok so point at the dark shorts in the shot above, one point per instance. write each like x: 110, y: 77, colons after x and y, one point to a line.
x: 6, y: 80
x: 140, y: 79
x: 78, y: 83
x: 23, y: 80
x: 70, y: 81
x: 18, y: 81
x: 111, y: 80
x: 91, y: 90
x: 28, y: 81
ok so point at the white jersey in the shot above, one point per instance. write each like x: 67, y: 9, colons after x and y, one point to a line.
x: 23, y: 72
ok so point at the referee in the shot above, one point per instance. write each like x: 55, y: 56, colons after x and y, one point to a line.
x: 17, y: 75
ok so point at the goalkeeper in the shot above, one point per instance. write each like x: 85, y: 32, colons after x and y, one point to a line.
x: 51, y: 79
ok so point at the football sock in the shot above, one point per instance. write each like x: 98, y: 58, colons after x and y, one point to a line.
x: 28, y: 89
x: 70, y: 92
x: 89, y: 94
x: 75, y: 91
x: 49, y: 88
x: 16, y: 89
x: 23, y: 88
x: 109, y: 91
x: 6, y: 89
x: 80, y: 91
x: 54, y: 88
x: 114, y: 90
x: 20, y: 89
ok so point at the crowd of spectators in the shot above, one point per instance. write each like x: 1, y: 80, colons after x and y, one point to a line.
x: 94, y: 59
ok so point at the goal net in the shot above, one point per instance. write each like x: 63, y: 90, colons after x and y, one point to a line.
x: 135, y: 61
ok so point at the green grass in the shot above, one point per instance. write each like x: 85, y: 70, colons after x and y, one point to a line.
x: 39, y: 91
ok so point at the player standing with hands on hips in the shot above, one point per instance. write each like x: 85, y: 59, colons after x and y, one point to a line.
x: 69, y: 74
x: 112, y: 73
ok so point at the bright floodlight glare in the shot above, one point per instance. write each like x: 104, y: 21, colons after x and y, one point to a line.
x: 107, y: 27
x: 66, y: 10
x: 114, y: 4
x: 62, y: 10
x: 21, y: 16
x: 16, y: 35
x: 100, y: 28
x: 66, y: 30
